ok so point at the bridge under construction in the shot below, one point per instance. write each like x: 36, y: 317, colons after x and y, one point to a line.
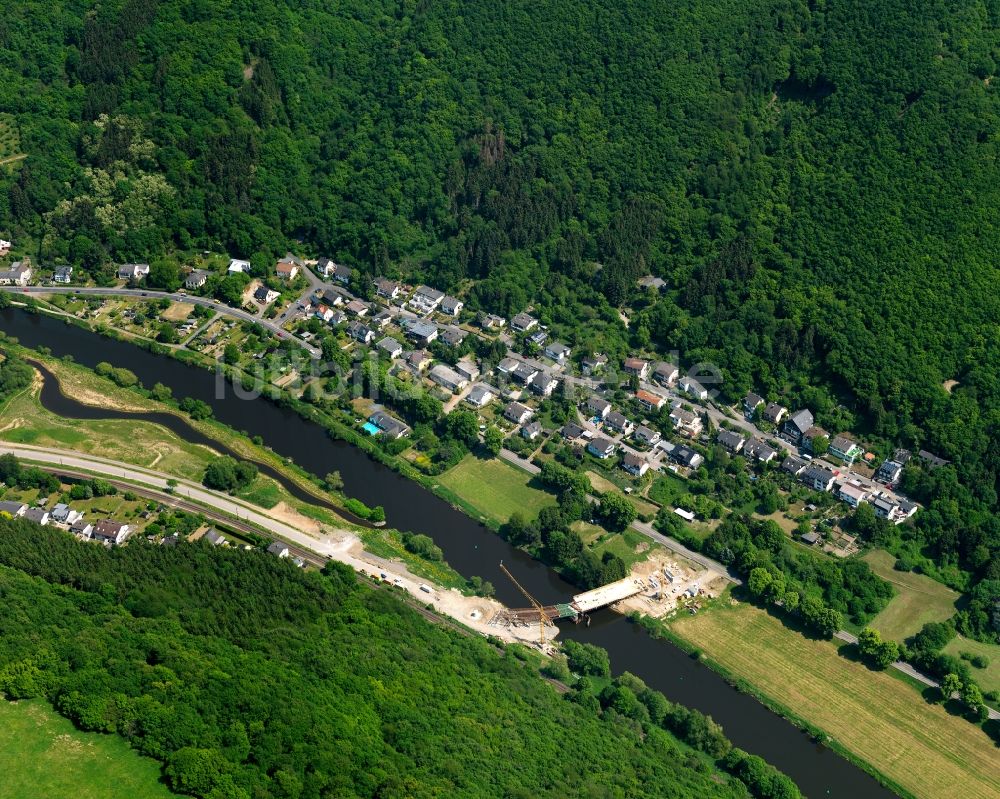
x: 579, y: 607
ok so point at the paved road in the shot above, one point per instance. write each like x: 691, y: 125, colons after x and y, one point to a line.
x: 642, y: 527
x: 218, y: 307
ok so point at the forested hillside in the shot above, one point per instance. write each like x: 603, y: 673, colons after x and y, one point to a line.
x: 248, y: 678
x: 817, y: 182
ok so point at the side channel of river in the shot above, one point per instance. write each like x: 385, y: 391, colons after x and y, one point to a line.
x: 469, y: 547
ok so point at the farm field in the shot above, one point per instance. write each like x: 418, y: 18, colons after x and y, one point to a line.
x: 879, y: 718
x: 495, y: 488
x: 918, y: 600
x: 43, y: 755
x: 988, y: 678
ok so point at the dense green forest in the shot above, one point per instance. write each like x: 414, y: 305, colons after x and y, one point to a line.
x: 248, y: 678
x: 817, y: 182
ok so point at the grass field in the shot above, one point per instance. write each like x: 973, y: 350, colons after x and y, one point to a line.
x: 918, y: 600
x: 42, y: 755
x: 495, y: 488
x: 988, y: 678
x: 879, y: 718
x: 602, y: 484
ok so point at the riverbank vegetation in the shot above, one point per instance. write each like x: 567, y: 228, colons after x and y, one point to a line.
x: 926, y: 749
x: 248, y: 677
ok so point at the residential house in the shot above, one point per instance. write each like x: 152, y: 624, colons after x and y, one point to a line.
x: 523, y: 323
x: 467, y: 369
x: 517, y: 413
x: 810, y: 538
x: 931, y: 460
x: 634, y: 464
x: 665, y: 373
x: 557, y: 351
x: 647, y: 435
x: 326, y: 267
x: 852, y: 494
x: 651, y: 282
x: 452, y: 306
x: 82, y: 529
x: 389, y: 426
x: 902, y: 456
x: 194, y: 280
x: 62, y: 274
x: 907, y: 508
x: 798, y: 425
x: 618, y: 423
x: 794, y: 465
x: 637, y: 367
x: 452, y: 336
x: 333, y: 297
x: 543, y: 384
x: 524, y: 373
x: 108, y: 531
x: 447, y: 378
x: 133, y: 272
x: 889, y: 472
x: 418, y: 360
x: 279, y: 548
x: 323, y: 312
x: 507, y: 366
x: 686, y: 423
x: 425, y: 299
x: 342, y: 274
x: 238, y: 266
x: 817, y: 477
x: 265, y: 296
x: 360, y: 332
x: 593, y: 364
x: 693, y: 388
x: 539, y: 337
x: 37, y: 515
x: 387, y: 289
x: 420, y: 331
x: 214, y: 537
x: 845, y: 449
x: 598, y: 407
x: 338, y: 318
x: 382, y: 319
x: 288, y: 267
x: 810, y: 435
x: 531, y: 431
x: 357, y: 308
x: 480, y: 396
x: 5, y: 247
x: 492, y: 322
x: 390, y: 347
x: 759, y: 450
x: 571, y: 431
x: 602, y: 448
x: 731, y: 440
x: 687, y: 457
x: 884, y: 507
x: 774, y: 413
x: 13, y: 509
x: 649, y: 400
x: 751, y: 402
x: 18, y: 275
x: 64, y: 514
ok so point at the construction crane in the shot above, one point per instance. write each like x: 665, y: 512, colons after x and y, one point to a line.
x: 543, y: 617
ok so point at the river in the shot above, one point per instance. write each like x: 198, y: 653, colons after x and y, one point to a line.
x: 471, y: 548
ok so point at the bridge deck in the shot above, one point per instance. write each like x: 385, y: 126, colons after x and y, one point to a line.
x: 608, y: 594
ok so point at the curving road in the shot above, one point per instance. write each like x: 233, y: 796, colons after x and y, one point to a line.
x: 219, y: 307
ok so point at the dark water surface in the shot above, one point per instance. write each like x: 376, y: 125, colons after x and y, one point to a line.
x: 470, y: 547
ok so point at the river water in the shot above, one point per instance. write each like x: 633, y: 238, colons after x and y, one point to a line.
x: 471, y: 548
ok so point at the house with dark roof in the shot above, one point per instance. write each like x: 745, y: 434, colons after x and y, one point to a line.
x: 602, y: 448
x: 452, y: 336
x: 420, y: 331
x: 931, y: 460
x: 524, y: 372
x: 517, y: 413
x: 531, y: 431
x: 686, y: 456
x: 491, y: 321
x: 425, y: 299
x: 133, y: 272
x: 14, y: 509
x: 389, y: 426
x: 598, y: 406
x: 693, y: 388
x: 760, y: 451
x: 390, y: 347
x: 558, y: 351
x: 686, y: 422
x: 731, y: 440
x: 523, y: 322
x: 278, y: 549
x: 265, y: 296
x: 592, y: 364
x: 646, y: 436
x: 634, y: 464
x: 889, y: 472
x: 797, y: 425
x: 652, y: 282
x: 387, y: 289
x: 480, y: 396
x: 751, y: 402
x: 845, y: 449
x: 214, y: 537
x: 360, y: 332
x: 418, y: 360
x: 452, y: 306
x: 810, y: 436
x: 62, y: 274
x: 794, y: 465
x: 665, y: 373
x: 39, y: 516
x: 342, y: 274
x: 618, y: 423
x: 817, y: 477
x: 194, y: 280
x: 571, y: 431
x: 539, y: 337
x: 543, y: 384
x: 108, y: 531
